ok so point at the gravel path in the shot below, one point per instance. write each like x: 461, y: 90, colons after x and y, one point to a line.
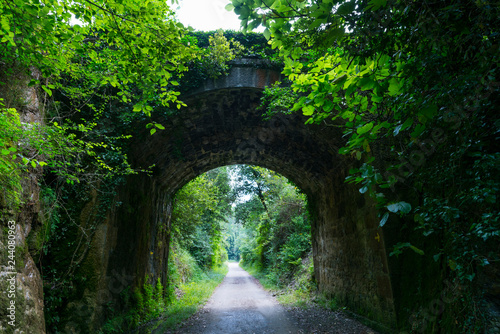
x: 241, y: 305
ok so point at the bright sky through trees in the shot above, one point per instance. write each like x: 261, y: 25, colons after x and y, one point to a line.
x: 207, y: 15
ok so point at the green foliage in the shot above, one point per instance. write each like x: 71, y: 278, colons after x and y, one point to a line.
x: 219, y: 52
x: 278, y: 99
x: 233, y: 239
x: 296, y: 245
x: 200, y: 210
x: 148, y: 303
x: 192, y: 296
x: 414, y: 87
x: 182, y: 267
x: 278, y: 234
x: 114, y: 54
x: 155, y: 307
x: 254, y: 44
x: 121, y: 42
x: 9, y: 171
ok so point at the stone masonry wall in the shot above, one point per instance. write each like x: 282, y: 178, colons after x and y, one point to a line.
x: 349, y: 252
x: 129, y: 249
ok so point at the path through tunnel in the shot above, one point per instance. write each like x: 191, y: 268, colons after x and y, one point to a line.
x: 220, y: 126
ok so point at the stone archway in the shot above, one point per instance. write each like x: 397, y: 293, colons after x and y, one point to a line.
x: 221, y: 126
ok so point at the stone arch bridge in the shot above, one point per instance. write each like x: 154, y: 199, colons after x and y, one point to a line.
x: 221, y: 126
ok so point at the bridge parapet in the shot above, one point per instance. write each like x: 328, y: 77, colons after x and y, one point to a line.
x: 244, y: 73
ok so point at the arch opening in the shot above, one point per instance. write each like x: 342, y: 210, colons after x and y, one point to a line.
x: 246, y: 211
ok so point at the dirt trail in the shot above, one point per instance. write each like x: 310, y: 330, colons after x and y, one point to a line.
x: 239, y: 305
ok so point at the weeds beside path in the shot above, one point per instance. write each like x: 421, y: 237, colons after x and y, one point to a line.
x: 191, y: 297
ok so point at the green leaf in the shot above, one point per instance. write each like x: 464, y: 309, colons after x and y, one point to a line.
x: 33, y: 164
x: 335, y: 34
x: 229, y: 7
x: 267, y: 34
x: 418, y: 130
x: 346, y: 8
x: 427, y: 113
x: 470, y: 277
x: 344, y: 150
x: 384, y: 219
x: 308, y: 110
x: 377, y: 99
x: 417, y: 250
x: 395, y: 86
x: 365, y: 128
x: 402, y: 207
x: 5, y: 152
x: 47, y: 90
x: 152, y: 131
x: 407, y: 124
x: 366, y: 83
x: 393, y: 207
x: 397, y: 129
